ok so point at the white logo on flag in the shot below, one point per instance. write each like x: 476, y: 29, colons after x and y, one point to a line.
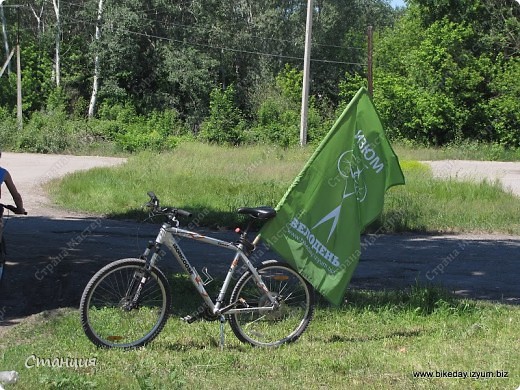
x: 350, y: 168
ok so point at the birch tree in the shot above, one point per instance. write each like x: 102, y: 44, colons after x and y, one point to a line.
x: 39, y: 18
x: 95, y: 83
x: 4, y: 34
x: 57, y: 59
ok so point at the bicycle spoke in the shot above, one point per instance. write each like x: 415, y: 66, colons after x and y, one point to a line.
x: 271, y: 326
x: 114, y: 316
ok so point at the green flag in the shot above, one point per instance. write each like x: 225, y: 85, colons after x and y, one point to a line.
x: 337, y: 194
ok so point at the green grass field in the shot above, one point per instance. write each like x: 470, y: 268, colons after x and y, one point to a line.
x: 376, y: 340
x: 215, y: 181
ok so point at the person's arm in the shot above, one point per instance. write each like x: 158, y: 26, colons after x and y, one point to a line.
x: 18, y: 201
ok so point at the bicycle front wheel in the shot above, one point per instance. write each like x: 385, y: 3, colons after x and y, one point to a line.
x: 266, y: 326
x: 124, y: 305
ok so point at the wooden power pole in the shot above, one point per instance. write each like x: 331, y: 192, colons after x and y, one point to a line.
x: 18, y: 74
x: 370, y: 77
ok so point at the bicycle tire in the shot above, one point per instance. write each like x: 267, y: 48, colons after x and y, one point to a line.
x: 271, y: 328
x: 109, y: 319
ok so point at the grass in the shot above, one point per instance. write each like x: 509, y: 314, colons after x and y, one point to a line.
x: 375, y: 340
x: 204, y: 179
x: 464, y: 150
x: 213, y: 182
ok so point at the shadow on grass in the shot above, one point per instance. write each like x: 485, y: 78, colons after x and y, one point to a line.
x: 202, y: 217
x: 420, y: 299
x: 401, y: 334
x: 391, y: 221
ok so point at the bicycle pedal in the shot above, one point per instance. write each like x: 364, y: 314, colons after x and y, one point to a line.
x: 189, y: 319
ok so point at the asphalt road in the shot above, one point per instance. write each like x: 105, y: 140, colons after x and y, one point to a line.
x: 52, y: 253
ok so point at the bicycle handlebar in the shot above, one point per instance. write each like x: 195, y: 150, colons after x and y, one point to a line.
x: 154, y: 205
x: 14, y: 209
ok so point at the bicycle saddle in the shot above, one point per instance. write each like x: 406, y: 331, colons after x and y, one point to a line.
x: 262, y: 212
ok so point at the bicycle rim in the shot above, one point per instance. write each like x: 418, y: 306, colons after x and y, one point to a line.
x: 109, y: 317
x: 267, y: 327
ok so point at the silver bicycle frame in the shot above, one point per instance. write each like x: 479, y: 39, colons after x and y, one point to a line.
x: 166, y: 237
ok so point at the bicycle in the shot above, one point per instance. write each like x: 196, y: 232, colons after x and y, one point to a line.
x: 3, y: 252
x: 127, y: 302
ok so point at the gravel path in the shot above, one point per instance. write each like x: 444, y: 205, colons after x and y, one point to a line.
x: 53, y: 253
x: 506, y: 173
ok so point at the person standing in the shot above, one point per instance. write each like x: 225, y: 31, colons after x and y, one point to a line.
x: 5, y: 177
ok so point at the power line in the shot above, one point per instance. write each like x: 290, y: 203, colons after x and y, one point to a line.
x: 202, y: 28
x: 219, y: 47
x: 236, y: 50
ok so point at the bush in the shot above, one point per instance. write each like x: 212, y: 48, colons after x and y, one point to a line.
x: 159, y: 131
x: 504, y: 107
x: 45, y: 133
x: 225, y: 124
x: 8, y: 129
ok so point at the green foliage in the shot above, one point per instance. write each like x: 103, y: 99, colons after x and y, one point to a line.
x: 132, y: 132
x: 279, y: 114
x: 36, y: 78
x: 277, y: 123
x: 289, y: 81
x: 225, y: 124
x: 8, y: 129
x: 504, y: 107
x: 159, y: 131
x: 57, y: 101
x: 445, y: 70
x: 165, y: 55
x: 138, y: 137
x: 53, y: 131
x: 46, y: 132
x: 188, y: 81
x: 440, y: 78
x: 349, y: 86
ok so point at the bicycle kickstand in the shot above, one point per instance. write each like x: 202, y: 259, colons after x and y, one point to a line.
x: 222, y: 322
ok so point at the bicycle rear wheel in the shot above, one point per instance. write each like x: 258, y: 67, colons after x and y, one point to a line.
x: 124, y: 305
x: 268, y: 327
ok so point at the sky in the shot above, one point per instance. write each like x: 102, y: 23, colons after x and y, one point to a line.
x: 397, y: 3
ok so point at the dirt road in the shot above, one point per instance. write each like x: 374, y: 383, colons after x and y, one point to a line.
x: 53, y: 253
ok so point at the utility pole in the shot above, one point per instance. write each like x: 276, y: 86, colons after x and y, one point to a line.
x: 18, y: 74
x: 306, y: 73
x: 370, y: 77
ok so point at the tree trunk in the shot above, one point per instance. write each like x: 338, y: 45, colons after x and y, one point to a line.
x: 40, y: 25
x: 57, y: 59
x: 95, y: 83
x: 4, y: 34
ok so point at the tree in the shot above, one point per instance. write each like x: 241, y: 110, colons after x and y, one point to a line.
x: 57, y: 43
x: 435, y: 71
x: 4, y: 35
x: 225, y: 123
x: 97, y: 66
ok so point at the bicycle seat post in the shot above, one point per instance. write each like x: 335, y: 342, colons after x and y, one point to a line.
x: 246, y: 246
